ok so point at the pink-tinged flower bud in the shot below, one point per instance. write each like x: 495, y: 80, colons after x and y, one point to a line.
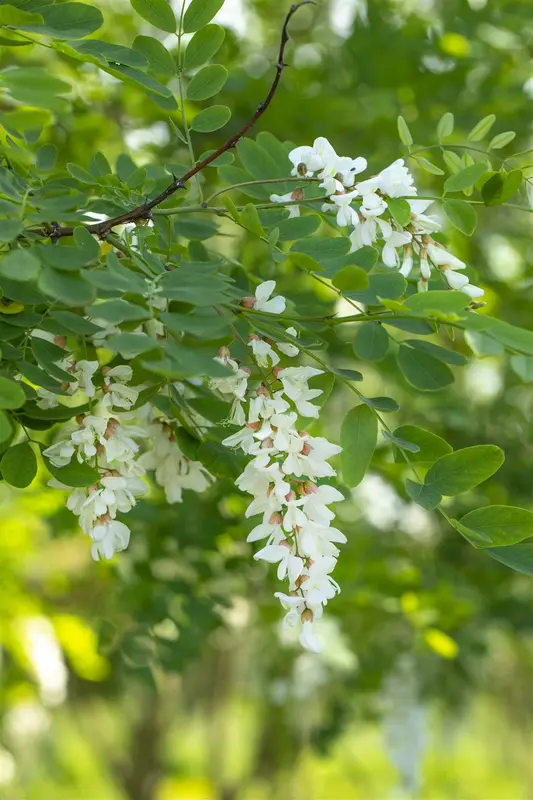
x: 253, y: 337
x: 224, y: 352
x: 304, y: 434
x: 308, y: 562
x: 80, y: 418
x: 254, y: 426
x: 64, y: 386
x: 105, y: 370
x: 301, y: 580
x: 306, y: 449
x: 275, y: 519
x: 285, y: 543
x: 93, y: 488
x: 263, y: 391
x: 267, y: 444
x: 246, y: 370
x: 100, y: 450
x: 310, y: 488
x: 104, y: 518
x: 291, y: 497
x: 276, y: 372
x: 298, y: 194
x: 111, y: 428
x: 248, y: 302
x: 307, y: 615
x: 269, y: 341
x: 60, y: 341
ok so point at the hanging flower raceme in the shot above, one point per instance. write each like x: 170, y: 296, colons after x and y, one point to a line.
x: 364, y: 207
x: 286, y: 463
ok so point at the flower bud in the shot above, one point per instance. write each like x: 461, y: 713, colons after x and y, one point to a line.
x: 291, y: 497
x: 224, y: 352
x: 248, y: 302
x: 275, y: 519
x: 60, y: 341
x: 306, y: 449
x: 298, y: 194
x: 310, y: 488
x: 267, y: 444
x: 277, y: 371
x: 301, y: 169
x: 307, y: 615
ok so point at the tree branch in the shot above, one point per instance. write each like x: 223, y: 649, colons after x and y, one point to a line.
x: 144, y: 211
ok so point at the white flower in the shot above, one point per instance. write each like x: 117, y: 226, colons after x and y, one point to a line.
x: 320, y: 586
x: 288, y: 564
x: 109, y: 538
x: 276, y: 305
x: 294, y: 210
x: 396, y: 239
x: 396, y: 180
x: 455, y: 280
x: 83, y: 372
x: 372, y: 205
x: 442, y: 258
x: 473, y: 291
x: 235, y: 384
x: 288, y: 349
x: 47, y: 399
x: 407, y: 263
x: 308, y: 638
x: 263, y: 352
x: 346, y: 215
x: 117, y: 393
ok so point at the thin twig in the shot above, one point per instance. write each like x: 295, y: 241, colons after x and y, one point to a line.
x: 144, y: 211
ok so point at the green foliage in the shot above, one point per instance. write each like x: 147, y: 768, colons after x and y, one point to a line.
x: 358, y: 440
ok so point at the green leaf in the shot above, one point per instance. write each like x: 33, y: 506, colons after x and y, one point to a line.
x: 523, y: 367
x: 221, y: 461
x: 46, y: 157
x: 324, y: 249
x: 445, y: 126
x: 19, y: 465
x: 400, y: 210
x: 260, y: 164
x: 499, y: 526
x: 440, y: 353
x: 480, y: 130
x: 6, y: 427
x: 74, y: 323
x: 203, y: 46
x: 116, y: 311
x: 249, y: 218
x: 74, y: 474
x: 425, y: 496
x: 207, y: 82
x: 9, y: 15
x: 115, y: 53
x: 428, y: 166
x: 11, y: 394
x: 303, y: 261
x: 130, y: 345
x: 20, y: 265
x: 403, y: 444
x: 68, y: 21
x: 351, y: 279
x: 502, y: 140
x: 197, y: 324
x: 157, y: 12
x: 466, y: 178
x: 140, y: 78
x: 452, y: 161
x: 464, y: 469
x: 404, y: 133
x: 422, y: 370
x: 290, y: 230
x: 73, y: 290
x: 211, y: 119
x: 199, y: 13
x: 384, y: 285
x: 431, y: 446
x: 510, y: 336
x: 380, y: 403
x: 462, y: 215
x: 442, y: 301
x: 501, y: 187
x: 359, y: 434
x: 157, y: 55
x: 371, y: 342
x: 518, y: 557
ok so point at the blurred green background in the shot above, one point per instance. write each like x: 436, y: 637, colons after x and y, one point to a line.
x: 164, y: 675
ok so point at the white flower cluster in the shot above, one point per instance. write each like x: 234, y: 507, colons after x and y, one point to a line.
x: 363, y: 206
x: 285, y: 464
x: 109, y: 440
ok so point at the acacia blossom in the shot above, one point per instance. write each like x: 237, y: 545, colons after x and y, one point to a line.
x: 367, y: 208
x: 285, y: 463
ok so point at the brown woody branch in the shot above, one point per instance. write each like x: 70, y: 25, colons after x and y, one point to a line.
x: 144, y: 211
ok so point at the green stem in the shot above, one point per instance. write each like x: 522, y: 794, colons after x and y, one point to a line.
x: 261, y: 183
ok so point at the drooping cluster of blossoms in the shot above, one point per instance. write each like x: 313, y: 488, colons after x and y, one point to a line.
x: 286, y: 463
x: 363, y: 206
x: 110, y: 439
